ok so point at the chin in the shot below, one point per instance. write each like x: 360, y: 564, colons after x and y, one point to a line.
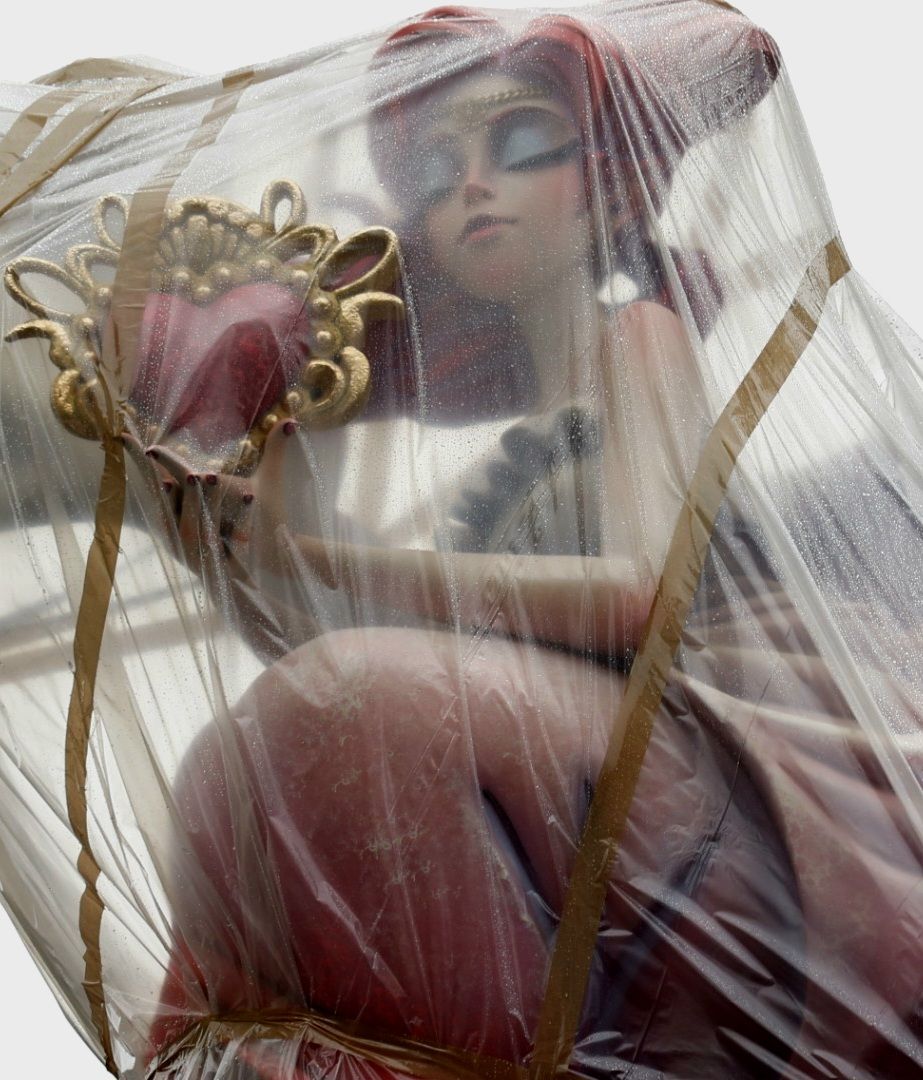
x: 501, y: 283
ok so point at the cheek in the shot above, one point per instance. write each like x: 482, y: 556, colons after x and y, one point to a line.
x: 556, y: 194
x: 557, y: 219
x: 441, y: 228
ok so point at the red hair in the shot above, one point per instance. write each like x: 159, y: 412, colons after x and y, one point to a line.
x: 625, y: 120
x: 588, y: 72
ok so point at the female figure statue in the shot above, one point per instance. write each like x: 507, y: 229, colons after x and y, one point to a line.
x: 384, y: 827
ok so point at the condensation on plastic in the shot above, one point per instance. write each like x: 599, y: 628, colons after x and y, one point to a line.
x: 346, y: 738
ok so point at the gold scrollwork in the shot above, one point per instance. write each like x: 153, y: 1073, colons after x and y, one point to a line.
x: 207, y: 247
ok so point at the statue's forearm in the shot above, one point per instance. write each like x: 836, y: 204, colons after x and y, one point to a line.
x: 584, y: 603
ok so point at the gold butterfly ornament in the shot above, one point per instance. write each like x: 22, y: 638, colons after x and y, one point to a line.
x: 245, y: 323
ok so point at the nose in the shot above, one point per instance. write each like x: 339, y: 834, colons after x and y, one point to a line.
x: 478, y: 182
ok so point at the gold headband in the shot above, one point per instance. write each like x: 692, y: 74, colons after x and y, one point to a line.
x: 470, y: 112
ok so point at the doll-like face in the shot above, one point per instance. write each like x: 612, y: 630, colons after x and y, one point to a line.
x: 501, y: 179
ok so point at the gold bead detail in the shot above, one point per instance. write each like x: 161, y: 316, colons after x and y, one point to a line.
x: 294, y: 401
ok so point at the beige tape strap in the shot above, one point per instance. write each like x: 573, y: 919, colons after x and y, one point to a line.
x: 100, y: 572
x: 577, y: 933
x: 104, y: 68
x: 424, y: 1061
x: 142, y: 232
x: 66, y: 139
x: 88, y: 636
x: 28, y: 126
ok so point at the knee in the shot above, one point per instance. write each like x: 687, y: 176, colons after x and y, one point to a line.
x: 358, y: 695
x: 403, y: 702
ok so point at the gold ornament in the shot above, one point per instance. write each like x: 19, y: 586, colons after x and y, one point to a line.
x: 470, y: 112
x: 207, y: 247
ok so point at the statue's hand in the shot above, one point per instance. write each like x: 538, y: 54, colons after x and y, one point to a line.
x: 215, y: 522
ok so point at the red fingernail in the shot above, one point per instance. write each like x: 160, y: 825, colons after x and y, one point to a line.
x: 211, y: 478
x: 289, y: 427
x: 168, y: 485
x: 192, y: 479
x: 247, y: 499
x: 152, y: 454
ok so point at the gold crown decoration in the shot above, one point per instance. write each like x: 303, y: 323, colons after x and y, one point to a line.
x: 471, y: 112
x: 207, y: 247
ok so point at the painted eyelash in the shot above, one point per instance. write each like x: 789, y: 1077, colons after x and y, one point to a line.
x: 549, y: 157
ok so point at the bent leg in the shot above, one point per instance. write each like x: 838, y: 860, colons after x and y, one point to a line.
x: 391, y: 821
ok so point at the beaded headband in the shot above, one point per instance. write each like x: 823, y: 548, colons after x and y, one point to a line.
x: 470, y: 112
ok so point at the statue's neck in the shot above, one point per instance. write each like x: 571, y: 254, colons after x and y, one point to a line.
x: 562, y: 328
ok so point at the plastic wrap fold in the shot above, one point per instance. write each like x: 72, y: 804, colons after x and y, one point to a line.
x: 462, y: 548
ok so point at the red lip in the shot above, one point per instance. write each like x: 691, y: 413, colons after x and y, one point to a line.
x: 482, y: 222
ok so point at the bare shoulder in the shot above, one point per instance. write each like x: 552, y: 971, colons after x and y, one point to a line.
x: 646, y: 316
x: 648, y: 325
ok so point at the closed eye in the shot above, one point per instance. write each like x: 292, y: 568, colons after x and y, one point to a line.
x: 546, y: 158
x: 437, y: 195
x: 440, y: 172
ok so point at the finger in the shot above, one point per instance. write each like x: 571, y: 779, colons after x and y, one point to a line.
x: 270, y: 475
x: 165, y: 492
x: 215, y: 546
x: 188, y: 489
x: 175, y: 465
x: 135, y: 451
x: 277, y: 441
x: 159, y: 480
x: 130, y: 442
x: 225, y: 499
x: 212, y: 507
x: 208, y: 507
x: 220, y: 494
x: 196, y: 526
x: 197, y: 508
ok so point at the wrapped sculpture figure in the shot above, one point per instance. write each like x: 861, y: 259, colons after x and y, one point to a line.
x: 463, y: 585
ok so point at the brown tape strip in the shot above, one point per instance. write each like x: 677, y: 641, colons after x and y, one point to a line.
x: 142, y: 232
x: 101, y: 564
x: 28, y: 126
x: 88, y: 636
x: 424, y: 1061
x: 576, y: 938
x: 68, y: 137
x: 104, y: 68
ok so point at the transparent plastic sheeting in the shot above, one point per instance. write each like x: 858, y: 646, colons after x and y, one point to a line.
x: 461, y: 563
